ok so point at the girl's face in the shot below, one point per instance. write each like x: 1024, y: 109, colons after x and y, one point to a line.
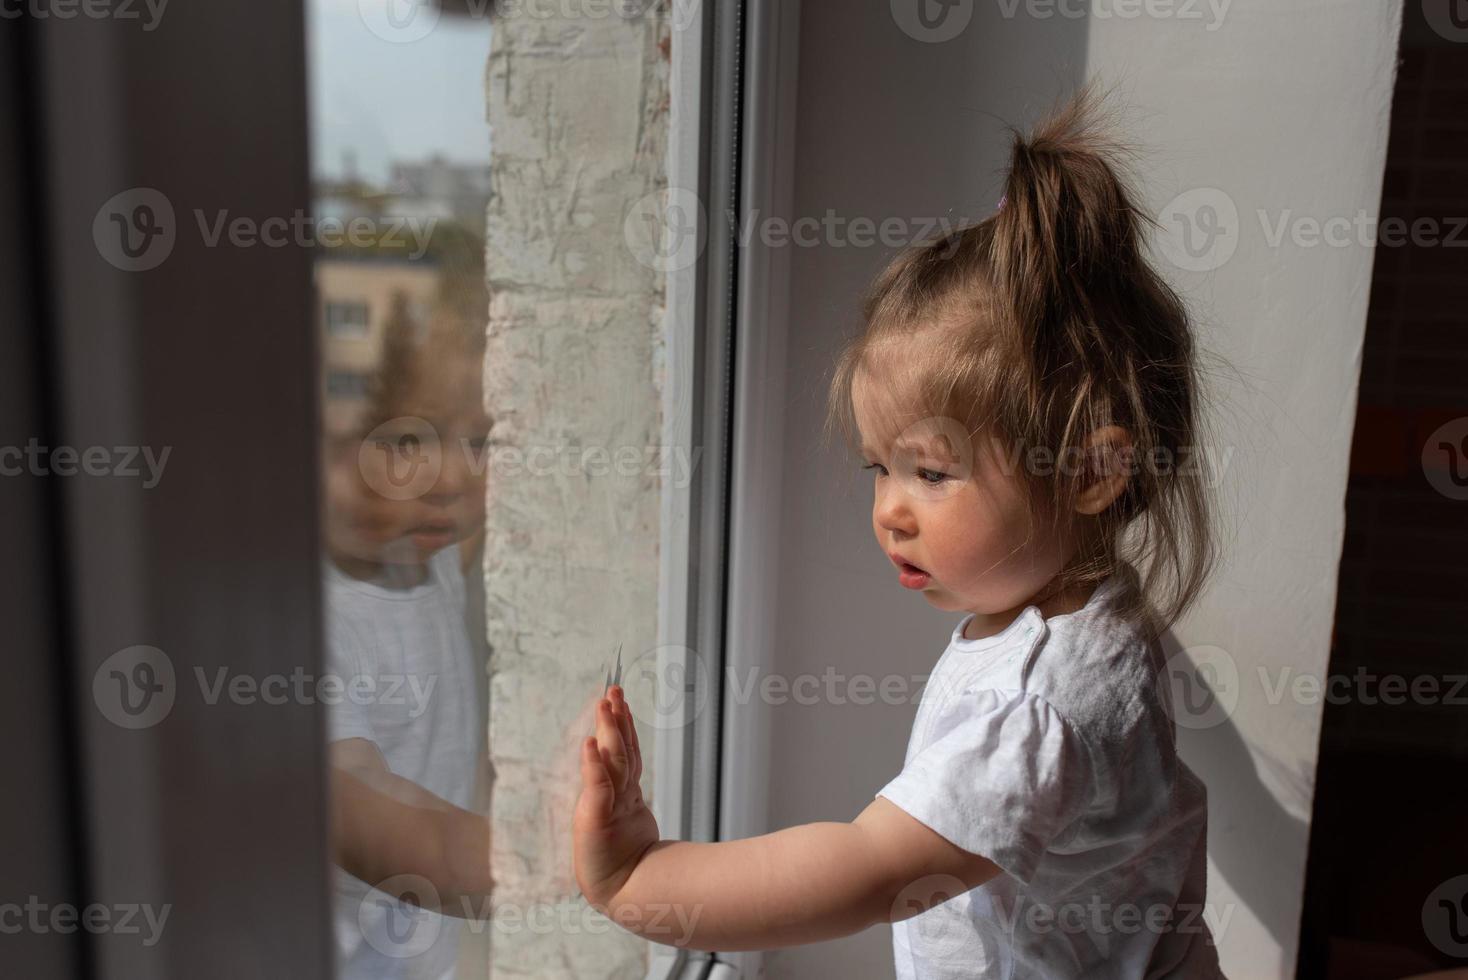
x: 948, y: 509
x: 415, y: 485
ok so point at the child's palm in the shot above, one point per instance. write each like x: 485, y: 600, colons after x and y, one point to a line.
x: 613, y: 825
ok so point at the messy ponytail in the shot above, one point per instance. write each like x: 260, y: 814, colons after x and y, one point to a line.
x: 1043, y: 324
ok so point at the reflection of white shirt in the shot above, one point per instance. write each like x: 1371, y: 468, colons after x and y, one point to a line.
x: 1049, y: 749
x: 410, y: 683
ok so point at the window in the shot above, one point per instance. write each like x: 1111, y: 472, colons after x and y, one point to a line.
x: 347, y: 319
x: 473, y: 282
x: 346, y: 384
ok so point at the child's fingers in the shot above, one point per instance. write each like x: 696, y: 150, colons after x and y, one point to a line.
x: 629, y: 735
x: 614, y: 750
x: 636, y: 743
x: 597, y: 793
x: 623, y: 714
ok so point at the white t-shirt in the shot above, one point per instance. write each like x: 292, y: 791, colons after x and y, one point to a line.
x: 1049, y: 748
x: 417, y: 699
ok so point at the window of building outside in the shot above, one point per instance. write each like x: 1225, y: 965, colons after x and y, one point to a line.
x: 346, y: 318
x: 486, y: 338
x: 346, y: 384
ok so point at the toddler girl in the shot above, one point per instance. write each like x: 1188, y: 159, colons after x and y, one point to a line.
x: 1024, y: 392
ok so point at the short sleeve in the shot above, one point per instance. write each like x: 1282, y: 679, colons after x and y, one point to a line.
x: 1003, y: 776
x: 345, y: 661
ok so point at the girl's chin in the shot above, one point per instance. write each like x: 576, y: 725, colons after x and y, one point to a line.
x: 946, y: 601
x: 429, y: 543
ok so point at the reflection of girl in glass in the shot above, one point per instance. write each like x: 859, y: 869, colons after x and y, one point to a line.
x: 404, y: 522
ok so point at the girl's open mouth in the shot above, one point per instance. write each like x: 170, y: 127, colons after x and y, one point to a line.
x: 909, y: 575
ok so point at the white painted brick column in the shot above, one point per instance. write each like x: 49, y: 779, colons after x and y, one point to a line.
x: 578, y: 109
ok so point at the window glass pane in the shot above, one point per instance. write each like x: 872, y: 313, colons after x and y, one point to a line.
x: 493, y: 471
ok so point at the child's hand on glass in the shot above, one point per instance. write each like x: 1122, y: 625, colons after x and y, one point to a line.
x: 613, y: 828
x: 557, y: 876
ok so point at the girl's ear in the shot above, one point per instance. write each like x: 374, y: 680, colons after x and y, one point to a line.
x: 1108, y: 467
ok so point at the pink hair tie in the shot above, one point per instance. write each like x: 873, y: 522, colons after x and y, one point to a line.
x: 1001, y: 202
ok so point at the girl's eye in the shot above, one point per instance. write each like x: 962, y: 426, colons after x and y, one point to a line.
x: 876, y: 466
x: 931, y: 477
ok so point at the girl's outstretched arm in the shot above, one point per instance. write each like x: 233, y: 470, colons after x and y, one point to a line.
x: 800, y: 885
x: 398, y: 837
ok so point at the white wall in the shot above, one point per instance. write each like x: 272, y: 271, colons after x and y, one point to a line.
x: 1282, y: 104
x: 1283, y: 108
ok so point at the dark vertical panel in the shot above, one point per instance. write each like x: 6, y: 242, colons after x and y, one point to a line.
x: 215, y: 812
x: 1395, y: 770
x: 39, y: 825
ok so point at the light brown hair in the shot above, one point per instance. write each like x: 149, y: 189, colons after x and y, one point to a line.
x: 1040, y: 325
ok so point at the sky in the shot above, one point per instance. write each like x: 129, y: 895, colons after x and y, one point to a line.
x: 400, y: 99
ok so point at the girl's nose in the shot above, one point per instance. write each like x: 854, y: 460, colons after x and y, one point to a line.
x: 892, y: 511
x: 454, y: 475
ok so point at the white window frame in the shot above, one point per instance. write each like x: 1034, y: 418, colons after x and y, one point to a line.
x: 732, y: 122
